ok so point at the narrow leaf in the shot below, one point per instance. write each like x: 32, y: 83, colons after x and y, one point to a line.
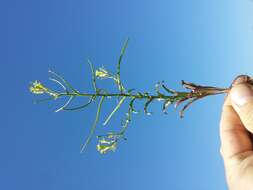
x: 123, y: 50
x: 115, y: 109
x: 79, y: 107
x: 131, y: 106
x: 66, y: 104
x: 64, y: 81
x: 166, y: 105
x: 146, y: 106
x: 93, y: 75
x: 168, y: 89
x: 94, y: 125
x: 58, y: 82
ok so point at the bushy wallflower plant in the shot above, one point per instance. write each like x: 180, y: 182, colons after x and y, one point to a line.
x: 109, y: 141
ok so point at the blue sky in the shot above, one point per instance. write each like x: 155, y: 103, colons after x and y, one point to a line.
x: 207, y: 42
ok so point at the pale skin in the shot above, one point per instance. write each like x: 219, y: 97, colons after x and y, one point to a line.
x: 236, y: 132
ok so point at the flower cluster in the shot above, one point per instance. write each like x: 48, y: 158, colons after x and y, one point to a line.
x: 105, y: 146
x: 102, y: 73
x: 38, y: 88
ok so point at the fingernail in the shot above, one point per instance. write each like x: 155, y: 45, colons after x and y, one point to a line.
x: 240, y: 79
x: 241, y: 94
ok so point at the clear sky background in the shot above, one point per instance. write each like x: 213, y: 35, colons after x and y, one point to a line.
x: 203, y: 41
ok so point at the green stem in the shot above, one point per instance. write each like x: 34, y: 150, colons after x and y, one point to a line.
x: 142, y: 96
x: 138, y: 96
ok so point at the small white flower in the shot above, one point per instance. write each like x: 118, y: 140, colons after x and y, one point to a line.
x: 38, y: 88
x: 103, y: 149
x: 102, y: 73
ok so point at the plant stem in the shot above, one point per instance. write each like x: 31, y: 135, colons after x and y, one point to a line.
x: 207, y: 92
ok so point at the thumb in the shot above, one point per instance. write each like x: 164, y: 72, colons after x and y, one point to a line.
x: 242, y: 101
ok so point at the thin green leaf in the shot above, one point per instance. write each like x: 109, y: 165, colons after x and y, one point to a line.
x: 131, y: 106
x: 146, y: 106
x: 157, y: 89
x: 130, y: 90
x: 79, y: 107
x: 93, y: 76
x: 58, y: 82
x: 126, y: 124
x: 115, y: 109
x: 94, y: 124
x: 64, y: 81
x: 168, y: 89
x: 166, y: 105
x: 66, y: 104
x: 122, y: 53
x: 123, y: 50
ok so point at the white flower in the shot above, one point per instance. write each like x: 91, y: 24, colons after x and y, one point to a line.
x: 38, y: 88
x: 102, y: 73
x: 104, y: 148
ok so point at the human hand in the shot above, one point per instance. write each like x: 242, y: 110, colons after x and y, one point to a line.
x: 236, y: 132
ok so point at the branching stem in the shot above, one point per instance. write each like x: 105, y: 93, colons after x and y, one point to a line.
x: 145, y: 96
x: 109, y: 141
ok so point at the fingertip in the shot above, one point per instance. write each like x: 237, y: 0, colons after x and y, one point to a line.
x: 241, y: 79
